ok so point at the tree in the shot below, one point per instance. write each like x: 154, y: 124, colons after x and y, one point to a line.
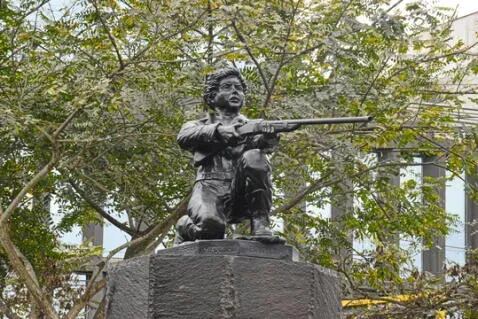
x: 93, y: 95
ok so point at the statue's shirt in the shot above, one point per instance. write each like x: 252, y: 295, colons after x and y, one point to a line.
x: 215, y: 159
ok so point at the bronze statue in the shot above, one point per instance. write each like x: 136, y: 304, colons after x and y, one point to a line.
x: 233, y: 181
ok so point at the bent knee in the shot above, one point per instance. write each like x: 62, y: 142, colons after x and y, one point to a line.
x: 183, y: 222
x: 255, y: 159
x: 212, y: 227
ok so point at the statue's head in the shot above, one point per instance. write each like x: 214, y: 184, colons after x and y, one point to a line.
x: 225, y: 88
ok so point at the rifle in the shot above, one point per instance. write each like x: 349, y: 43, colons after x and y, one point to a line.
x: 254, y: 127
x: 259, y: 126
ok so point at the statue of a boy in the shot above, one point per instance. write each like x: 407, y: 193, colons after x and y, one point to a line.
x: 233, y: 180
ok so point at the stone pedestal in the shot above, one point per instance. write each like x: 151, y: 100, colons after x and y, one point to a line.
x: 222, y: 279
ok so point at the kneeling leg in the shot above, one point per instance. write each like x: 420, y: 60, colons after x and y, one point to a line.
x: 252, y: 184
x: 205, y: 218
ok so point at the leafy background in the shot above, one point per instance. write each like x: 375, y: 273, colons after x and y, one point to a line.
x: 93, y: 94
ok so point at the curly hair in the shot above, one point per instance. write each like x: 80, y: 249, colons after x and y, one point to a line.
x: 212, y: 83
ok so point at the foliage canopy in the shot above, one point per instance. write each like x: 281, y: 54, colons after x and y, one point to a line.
x: 93, y: 94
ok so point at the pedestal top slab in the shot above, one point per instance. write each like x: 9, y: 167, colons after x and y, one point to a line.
x: 233, y: 247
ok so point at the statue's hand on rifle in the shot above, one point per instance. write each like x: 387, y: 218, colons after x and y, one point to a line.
x: 228, y: 133
x: 270, y: 139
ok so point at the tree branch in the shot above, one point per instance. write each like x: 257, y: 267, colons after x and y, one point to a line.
x: 65, y: 123
x: 375, y: 78
x: 282, y: 59
x: 447, y: 55
x: 92, y: 289
x: 108, y: 33
x: 95, y: 285
x: 41, y: 174
x: 18, y: 261
x: 133, y: 60
x: 101, y: 310
x: 101, y: 211
x: 308, y: 50
x: 4, y: 310
x: 147, y: 241
x: 253, y: 58
x: 16, y: 201
x: 325, y: 182
x: 25, y: 271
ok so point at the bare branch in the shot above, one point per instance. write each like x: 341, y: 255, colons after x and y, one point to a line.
x: 299, y: 197
x: 95, y: 183
x: 48, y: 136
x: 18, y: 261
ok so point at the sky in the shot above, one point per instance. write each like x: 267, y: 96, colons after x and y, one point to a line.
x: 464, y: 6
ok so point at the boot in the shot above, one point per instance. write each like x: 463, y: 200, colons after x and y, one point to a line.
x: 185, y: 230
x: 260, y: 225
x: 259, y: 205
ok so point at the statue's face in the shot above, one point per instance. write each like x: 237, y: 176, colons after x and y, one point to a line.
x: 230, y: 94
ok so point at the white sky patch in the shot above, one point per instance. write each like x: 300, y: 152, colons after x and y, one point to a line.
x: 464, y: 7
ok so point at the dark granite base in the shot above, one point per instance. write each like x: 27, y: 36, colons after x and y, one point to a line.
x: 205, y: 283
x: 249, y: 248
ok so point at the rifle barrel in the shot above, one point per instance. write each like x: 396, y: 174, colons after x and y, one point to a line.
x: 330, y: 120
